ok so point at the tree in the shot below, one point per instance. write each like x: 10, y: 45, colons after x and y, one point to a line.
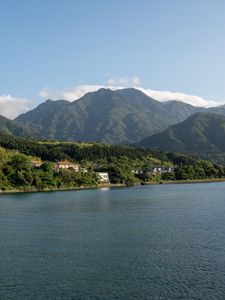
x: 18, y: 170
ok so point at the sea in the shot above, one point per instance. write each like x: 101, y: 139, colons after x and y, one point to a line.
x: 146, y: 242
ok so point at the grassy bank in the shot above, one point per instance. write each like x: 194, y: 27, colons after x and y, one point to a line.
x: 108, y: 185
x: 206, y: 180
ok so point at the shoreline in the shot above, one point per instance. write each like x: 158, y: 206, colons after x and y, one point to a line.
x: 187, y: 181
x: 116, y: 185
x: 113, y: 185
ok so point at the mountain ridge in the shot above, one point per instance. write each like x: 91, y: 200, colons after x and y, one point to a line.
x: 115, y: 117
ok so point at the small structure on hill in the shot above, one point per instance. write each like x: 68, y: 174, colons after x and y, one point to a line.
x: 83, y: 170
x: 103, y: 176
x: 36, y: 163
x: 137, y: 172
x: 168, y: 170
x: 158, y: 170
x: 64, y: 164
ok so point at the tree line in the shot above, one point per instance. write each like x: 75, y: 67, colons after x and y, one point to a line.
x: 121, y: 162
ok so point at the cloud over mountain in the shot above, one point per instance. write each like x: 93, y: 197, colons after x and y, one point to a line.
x: 76, y: 92
x: 187, y: 98
x: 11, y: 107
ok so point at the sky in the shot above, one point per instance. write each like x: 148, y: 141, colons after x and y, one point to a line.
x: 60, y: 49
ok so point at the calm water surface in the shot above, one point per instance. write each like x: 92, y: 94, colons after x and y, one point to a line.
x: 151, y: 242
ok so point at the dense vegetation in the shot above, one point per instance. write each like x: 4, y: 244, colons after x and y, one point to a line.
x: 16, y: 172
x: 126, y: 165
x: 115, y: 117
x: 202, y: 134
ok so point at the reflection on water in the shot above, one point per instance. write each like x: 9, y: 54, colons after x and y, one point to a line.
x: 150, y: 242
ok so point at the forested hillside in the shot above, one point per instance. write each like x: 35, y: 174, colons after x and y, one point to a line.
x: 202, y: 134
x: 125, y: 165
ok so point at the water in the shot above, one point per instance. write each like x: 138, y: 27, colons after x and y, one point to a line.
x: 151, y: 242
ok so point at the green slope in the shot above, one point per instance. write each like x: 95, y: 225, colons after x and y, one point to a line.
x: 14, y: 128
x: 202, y: 134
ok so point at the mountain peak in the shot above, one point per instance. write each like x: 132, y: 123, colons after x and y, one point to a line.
x: 121, y: 116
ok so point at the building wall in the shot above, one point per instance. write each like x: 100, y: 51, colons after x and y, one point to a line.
x: 104, y: 176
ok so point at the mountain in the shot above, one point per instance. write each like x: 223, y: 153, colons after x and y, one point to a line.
x: 202, y: 134
x: 116, y: 117
x: 10, y: 127
x: 217, y: 110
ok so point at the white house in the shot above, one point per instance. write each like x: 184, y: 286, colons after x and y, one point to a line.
x: 157, y: 170
x: 103, y: 176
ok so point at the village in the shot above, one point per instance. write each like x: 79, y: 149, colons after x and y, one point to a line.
x: 104, y: 177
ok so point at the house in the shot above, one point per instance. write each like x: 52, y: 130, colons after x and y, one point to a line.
x: 137, y: 172
x: 36, y: 163
x: 103, y: 176
x: 64, y: 164
x: 153, y: 171
x: 157, y: 170
x: 168, y: 170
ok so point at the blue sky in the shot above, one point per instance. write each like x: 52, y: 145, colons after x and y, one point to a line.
x: 56, y: 45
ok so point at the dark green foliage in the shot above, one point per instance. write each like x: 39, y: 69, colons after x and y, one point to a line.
x: 200, y: 169
x: 18, y: 170
x: 52, y: 151
x: 121, y: 173
x: 18, y: 173
x: 4, y: 182
x: 47, y: 167
x: 169, y: 176
x: 69, y: 178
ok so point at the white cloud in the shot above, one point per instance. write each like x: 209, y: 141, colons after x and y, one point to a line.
x: 77, y: 92
x: 74, y: 93
x: 190, y: 99
x: 124, y: 81
x: 11, y: 107
x: 44, y: 93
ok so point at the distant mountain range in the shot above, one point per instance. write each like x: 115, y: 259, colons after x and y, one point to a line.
x: 126, y: 116
x: 202, y: 134
x: 115, y: 117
